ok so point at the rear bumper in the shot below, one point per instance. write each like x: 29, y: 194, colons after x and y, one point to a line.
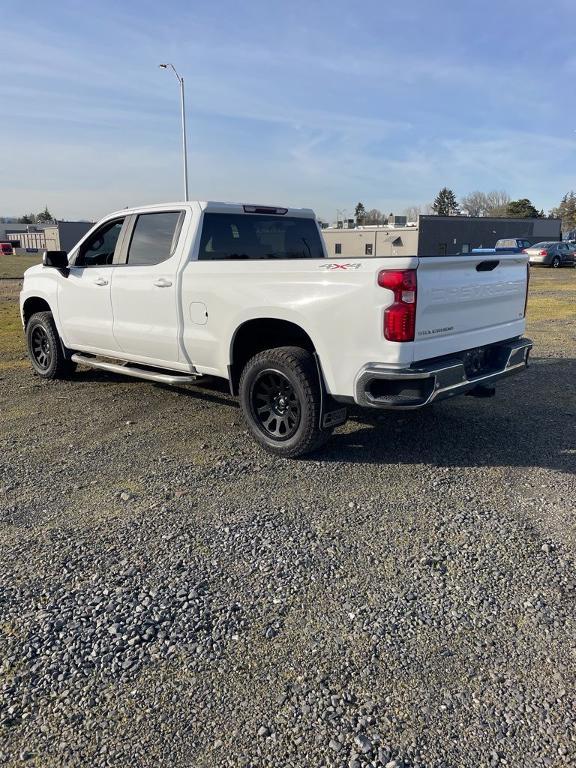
x: 378, y: 386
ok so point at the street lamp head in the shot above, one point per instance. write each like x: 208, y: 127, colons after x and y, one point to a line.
x: 163, y: 66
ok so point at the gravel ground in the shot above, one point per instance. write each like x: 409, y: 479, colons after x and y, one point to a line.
x: 172, y: 596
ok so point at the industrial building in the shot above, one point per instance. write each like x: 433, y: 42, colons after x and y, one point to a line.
x: 58, y: 236
x: 435, y: 235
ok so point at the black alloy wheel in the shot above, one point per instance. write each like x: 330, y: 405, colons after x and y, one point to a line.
x: 556, y: 262
x: 47, y: 354
x: 40, y: 347
x: 275, y: 405
x: 281, y: 398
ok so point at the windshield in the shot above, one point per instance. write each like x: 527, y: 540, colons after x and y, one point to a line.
x: 247, y: 236
x: 541, y: 245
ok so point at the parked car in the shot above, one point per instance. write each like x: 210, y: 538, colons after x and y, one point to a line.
x: 551, y: 254
x: 247, y: 293
x: 6, y: 249
x: 512, y: 245
x: 505, y: 245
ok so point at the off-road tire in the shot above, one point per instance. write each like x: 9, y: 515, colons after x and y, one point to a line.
x: 295, y: 370
x: 45, y: 348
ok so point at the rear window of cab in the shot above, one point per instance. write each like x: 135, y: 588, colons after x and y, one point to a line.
x: 231, y: 236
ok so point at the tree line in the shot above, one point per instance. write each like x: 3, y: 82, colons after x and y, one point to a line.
x: 44, y: 217
x: 497, y: 203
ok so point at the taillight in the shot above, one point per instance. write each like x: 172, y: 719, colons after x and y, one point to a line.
x: 400, y: 317
x: 544, y: 252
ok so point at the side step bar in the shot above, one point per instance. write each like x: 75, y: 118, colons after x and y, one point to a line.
x: 137, y: 373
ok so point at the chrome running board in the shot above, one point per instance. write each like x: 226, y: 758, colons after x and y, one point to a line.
x: 126, y: 369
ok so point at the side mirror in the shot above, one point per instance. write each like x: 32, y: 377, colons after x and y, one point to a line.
x: 56, y: 259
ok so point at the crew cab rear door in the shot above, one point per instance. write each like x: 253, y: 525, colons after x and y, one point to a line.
x: 468, y: 301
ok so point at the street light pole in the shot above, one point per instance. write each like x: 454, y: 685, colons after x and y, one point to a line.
x: 183, y: 109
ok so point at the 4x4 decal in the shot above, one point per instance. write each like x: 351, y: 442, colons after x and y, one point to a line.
x: 335, y: 265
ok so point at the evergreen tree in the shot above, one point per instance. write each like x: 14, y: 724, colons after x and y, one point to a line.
x: 566, y: 211
x: 28, y: 218
x: 360, y: 213
x: 45, y: 217
x: 445, y: 203
x: 522, y: 209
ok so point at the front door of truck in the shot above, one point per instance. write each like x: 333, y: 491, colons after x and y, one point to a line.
x: 84, y: 297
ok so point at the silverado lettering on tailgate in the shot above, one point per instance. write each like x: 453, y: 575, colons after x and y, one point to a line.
x: 466, y: 292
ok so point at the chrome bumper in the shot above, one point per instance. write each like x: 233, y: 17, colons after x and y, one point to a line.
x: 378, y: 386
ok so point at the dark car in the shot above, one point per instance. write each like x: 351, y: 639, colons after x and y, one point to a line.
x: 551, y: 254
x: 504, y: 245
x: 6, y: 249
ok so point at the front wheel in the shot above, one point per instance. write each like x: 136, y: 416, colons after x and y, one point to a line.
x: 280, y: 398
x: 555, y: 262
x: 44, y: 348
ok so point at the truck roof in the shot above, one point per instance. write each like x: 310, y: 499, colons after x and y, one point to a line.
x: 214, y: 206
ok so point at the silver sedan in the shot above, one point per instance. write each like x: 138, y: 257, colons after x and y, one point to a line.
x: 551, y: 254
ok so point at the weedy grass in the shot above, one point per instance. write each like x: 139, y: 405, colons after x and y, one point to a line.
x: 15, y: 266
x: 551, y: 308
x: 12, y: 346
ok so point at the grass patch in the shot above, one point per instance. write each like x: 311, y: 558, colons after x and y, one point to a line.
x: 550, y: 308
x: 15, y: 266
x: 11, y: 338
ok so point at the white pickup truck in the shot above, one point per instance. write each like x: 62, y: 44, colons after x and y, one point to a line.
x: 172, y: 293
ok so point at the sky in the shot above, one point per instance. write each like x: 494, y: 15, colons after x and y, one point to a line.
x: 315, y: 104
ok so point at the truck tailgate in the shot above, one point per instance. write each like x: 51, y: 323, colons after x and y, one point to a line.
x: 468, y: 301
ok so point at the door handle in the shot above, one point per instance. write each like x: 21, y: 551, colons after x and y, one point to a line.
x: 162, y: 283
x: 100, y: 281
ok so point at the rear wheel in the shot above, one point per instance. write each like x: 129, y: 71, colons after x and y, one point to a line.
x: 280, y: 398
x: 45, y: 349
x: 556, y: 262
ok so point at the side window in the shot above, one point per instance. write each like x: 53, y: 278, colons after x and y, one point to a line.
x: 337, y: 248
x: 368, y: 249
x: 154, y: 238
x: 99, y: 249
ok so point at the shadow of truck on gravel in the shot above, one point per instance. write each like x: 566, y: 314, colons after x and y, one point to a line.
x: 531, y: 422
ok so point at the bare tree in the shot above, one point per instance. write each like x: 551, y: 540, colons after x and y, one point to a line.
x: 497, y: 203
x: 493, y: 203
x: 412, y: 212
x: 475, y: 203
x: 374, y: 216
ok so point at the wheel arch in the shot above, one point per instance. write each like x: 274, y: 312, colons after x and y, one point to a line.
x: 255, y: 335
x: 34, y: 304
x: 37, y: 303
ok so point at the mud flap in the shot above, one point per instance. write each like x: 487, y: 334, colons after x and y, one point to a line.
x: 332, y: 413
